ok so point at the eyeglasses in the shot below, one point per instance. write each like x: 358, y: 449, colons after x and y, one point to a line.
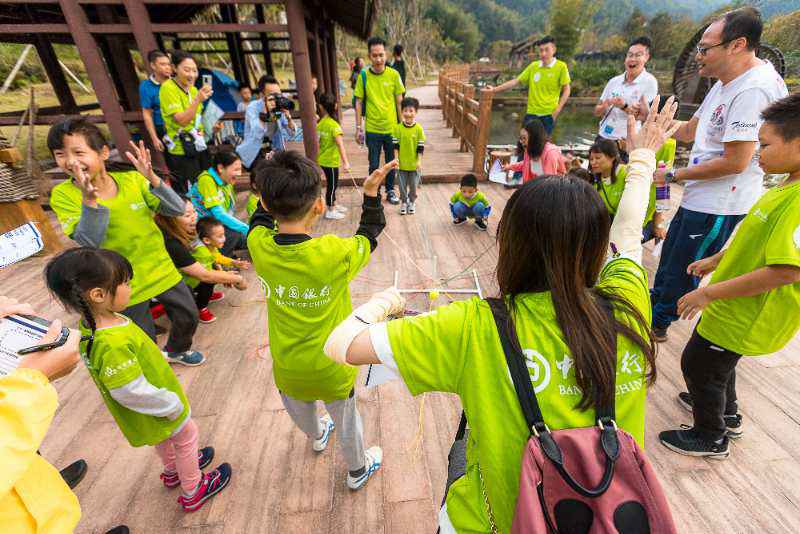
x: 636, y: 55
x: 703, y: 50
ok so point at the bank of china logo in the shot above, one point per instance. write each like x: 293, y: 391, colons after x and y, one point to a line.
x: 796, y: 236
x: 537, y: 77
x: 539, y: 369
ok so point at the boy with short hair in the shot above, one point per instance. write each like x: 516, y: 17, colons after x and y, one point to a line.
x: 751, y: 306
x: 408, y: 138
x: 306, y: 281
x: 468, y: 202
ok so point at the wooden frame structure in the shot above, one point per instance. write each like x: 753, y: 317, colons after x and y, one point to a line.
x: 105, y: 32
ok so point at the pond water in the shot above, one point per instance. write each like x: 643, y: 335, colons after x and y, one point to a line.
x: 576, y: 126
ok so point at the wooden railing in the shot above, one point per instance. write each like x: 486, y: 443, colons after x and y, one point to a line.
x: 469, y: 118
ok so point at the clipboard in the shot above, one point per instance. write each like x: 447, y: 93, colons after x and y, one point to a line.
x: 17, y: 332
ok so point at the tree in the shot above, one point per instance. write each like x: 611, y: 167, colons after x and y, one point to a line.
x: 634, y: 26
x: 668, y: 33
x: 457, y: 27
x: 499, y: 50
x: 568, y: 20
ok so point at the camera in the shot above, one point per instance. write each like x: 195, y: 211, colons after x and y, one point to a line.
x: 282, y: 103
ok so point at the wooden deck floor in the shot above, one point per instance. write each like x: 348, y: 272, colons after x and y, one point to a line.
x: 442, y: 160
x: 281, y: 486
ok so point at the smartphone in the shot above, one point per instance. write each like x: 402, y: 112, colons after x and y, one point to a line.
x: 45, y: 324
x: 207, y: 79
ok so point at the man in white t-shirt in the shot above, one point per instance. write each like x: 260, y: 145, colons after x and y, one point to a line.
x: 628, y: 93
x: 723, y: 179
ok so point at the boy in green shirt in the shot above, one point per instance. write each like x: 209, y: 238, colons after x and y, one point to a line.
x: 306, y: 281
x: 409, y: 144
x: 752, y: 304
x: 331, y: 153
x: 469, y: 202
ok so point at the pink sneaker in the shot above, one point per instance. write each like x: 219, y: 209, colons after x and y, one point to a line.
x: 204, y: 457
x: 211, y: 484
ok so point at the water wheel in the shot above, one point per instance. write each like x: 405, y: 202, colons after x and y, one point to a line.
x: 690, y: 88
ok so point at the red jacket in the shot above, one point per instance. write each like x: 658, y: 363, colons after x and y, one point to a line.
x: 552, y: 161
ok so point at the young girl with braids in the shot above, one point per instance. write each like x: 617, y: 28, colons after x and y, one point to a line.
x: 137, y: 384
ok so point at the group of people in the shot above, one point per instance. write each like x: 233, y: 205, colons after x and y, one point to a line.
x: 570, y: 252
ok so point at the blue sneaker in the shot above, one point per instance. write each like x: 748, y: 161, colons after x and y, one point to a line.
x: 373, y: 455
x: 190, y: 358
x: 321, y: 443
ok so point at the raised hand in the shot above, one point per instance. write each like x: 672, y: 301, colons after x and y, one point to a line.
x: 204, y: 93
x: 140, y: 158
x: 656, y: 129
x: 374, y: 180
x: 83, y: 181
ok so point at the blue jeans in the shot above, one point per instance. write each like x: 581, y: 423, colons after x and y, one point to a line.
x: 547, y: 120
x: 462, y: 211
x: 375, y: 143
x: 692, y: 236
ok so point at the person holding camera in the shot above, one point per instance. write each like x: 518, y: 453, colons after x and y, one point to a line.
x: 181, y: 107
x: 267, y: 123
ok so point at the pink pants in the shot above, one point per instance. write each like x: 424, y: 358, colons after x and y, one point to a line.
x: 179, y: 453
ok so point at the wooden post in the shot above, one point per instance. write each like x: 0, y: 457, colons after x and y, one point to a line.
x: 298, y: 42
x: 318, y: 58
x: 264, y: 41
x: 228, y: 15
x: 332, y: 65
x: 87, y: 48
x: 484, y: 124
x: 139, y: 19
x: 55, y: 74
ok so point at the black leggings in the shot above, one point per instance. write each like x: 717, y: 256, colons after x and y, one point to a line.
x: 332, y: 179
x: 202, y: 294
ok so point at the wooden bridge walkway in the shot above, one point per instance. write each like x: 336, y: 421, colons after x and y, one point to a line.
x: 281, y: 486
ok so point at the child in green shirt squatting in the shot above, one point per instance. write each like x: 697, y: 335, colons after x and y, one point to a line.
x: 137, y: 385
x: 331, y: 153
x: 468, y: 202
x: 751, y: 306
x: 114, y: 209
x: 306, y: 281
x: 409, y: 144
x: 213, y: 195
x: 560, y: 258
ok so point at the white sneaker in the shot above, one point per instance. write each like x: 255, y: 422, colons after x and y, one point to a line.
x: 327, y: 425
x: 411, y: 208
x: 340, y: 209
x: 373, y: 457
x: 333, y: 214
x: 403, y: 209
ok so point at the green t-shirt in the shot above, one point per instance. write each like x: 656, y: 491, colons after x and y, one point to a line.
x: 120, y: 354
x: 477, y: 197
x: 382, y: 91
x: 410, y: 138
x: 666, y: 153
x: 308, y: 295
x: 611, y: 193
x: 768, y: 235
x: 213, y: 194
x: 174, y: 99
x: 328, y: 130
x: 252, y: 204
x: 456, y: 349
x: 131, y: 231
x: 544, y: 86
x: 204, y: 257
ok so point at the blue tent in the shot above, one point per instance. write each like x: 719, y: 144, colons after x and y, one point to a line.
x: 226, y: 89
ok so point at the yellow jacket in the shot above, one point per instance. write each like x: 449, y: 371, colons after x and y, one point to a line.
x: 33, y: 496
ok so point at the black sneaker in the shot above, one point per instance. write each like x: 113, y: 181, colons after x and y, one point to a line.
x: 690, y: 443
x: 480, y: 223
x: 733, y: 423
x: 660, y: 334
x: 74, y: 473
x: 391, y: 197
x: 459, y: 220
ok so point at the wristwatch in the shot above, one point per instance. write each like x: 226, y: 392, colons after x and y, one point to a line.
x: 669, y: 176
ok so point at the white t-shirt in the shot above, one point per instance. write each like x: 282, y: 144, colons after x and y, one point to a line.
x: 731, y: 112
x: 615, y: 124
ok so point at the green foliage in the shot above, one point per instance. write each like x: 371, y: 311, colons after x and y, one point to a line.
x: 634, y: 26
x: 495, y: 22
x: 668, y: 32
x: 498, y: 50
x: 457, y: 27
x: 589, y: 77
x: 568, y: 20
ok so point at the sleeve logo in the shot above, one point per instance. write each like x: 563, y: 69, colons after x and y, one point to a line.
x: 796, y: 236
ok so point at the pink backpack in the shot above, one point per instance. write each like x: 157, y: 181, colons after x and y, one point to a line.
x: 580, y: 480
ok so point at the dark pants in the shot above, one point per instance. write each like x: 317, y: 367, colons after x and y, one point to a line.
x: 710, y: 375
x: 332, y: 182
x: 692, y: 236
x: 547, y: 120
x: 185, y: 170
x: 202, y: 294
x: 375, y: 143
x: 179, y: 304
x: 233, y: 241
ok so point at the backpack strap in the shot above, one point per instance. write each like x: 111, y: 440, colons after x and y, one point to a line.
x: 364, y: 100
x: 462, y: 427
x: 526, y: 396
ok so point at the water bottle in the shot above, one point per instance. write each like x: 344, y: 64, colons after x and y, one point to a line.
x: 662, y: 192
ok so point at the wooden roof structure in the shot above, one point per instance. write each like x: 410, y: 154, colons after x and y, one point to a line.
x: 106, y: 31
